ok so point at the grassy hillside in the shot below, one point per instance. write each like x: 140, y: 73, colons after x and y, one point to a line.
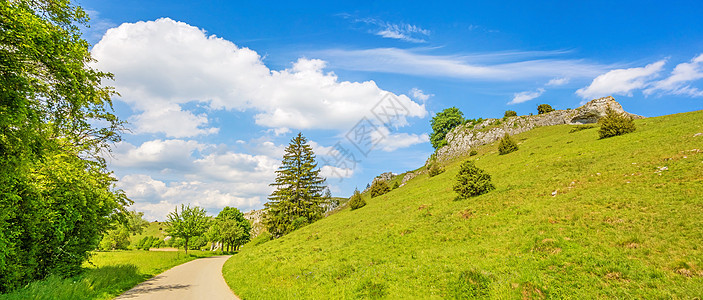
x: 155, y: 229
x: 626, y: 221
x: 107, y: 275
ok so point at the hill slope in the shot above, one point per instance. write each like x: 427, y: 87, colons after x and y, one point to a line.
x: 625, y: 222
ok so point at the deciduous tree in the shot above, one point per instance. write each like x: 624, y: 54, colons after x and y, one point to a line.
x: 56, y: 195
x: 444, y: 122
x: 190, y: 222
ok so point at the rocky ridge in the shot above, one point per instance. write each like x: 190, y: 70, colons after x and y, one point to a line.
x: 466, y: 137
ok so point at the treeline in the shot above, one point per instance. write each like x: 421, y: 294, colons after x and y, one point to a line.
x: 56, y: 194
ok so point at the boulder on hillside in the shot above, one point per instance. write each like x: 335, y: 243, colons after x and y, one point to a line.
x: 595, y: 109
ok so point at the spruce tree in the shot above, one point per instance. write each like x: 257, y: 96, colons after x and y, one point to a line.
x: 299, y: 196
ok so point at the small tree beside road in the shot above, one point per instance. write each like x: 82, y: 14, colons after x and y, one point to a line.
x: 189, y: 223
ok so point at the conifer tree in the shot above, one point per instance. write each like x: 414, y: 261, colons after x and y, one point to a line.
x: 298, y: 198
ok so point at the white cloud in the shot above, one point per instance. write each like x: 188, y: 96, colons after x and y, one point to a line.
x: 171, y: 120
x: 172, y: 172
x: 336, y: 172
x: 498, y: 66
x: 677, y: 82
x: 156, y: 198
x: 526, y: 96
x: 161, y: 65
x: 390, y: 142
x: 156, y: 154
x: 558, y: 81
x: 419, y: 94
x: 621, y: 81
x: 400, y: 31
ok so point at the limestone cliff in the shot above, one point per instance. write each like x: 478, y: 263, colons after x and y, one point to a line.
x: 464, y: 138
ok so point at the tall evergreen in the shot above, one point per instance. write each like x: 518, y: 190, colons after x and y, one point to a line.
x: 299, y: 196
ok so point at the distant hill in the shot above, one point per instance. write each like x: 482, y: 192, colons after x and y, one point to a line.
x: 155, y: 229
x: 572, y: 216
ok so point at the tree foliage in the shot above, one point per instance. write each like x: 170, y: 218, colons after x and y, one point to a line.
x: 56, y: 196
x: 230, y: 228
x: 472, y: 181
x: 379, y: 187
x: 115, y: 239
x: 507, y: 145
x: 135, y: 222
x: 356, y: 201
x: 298, y: 198
x: 444, y: 122
x: 510, y: 113
x: 191, y: 222
x: 544, y: 108
x: 614, y: 124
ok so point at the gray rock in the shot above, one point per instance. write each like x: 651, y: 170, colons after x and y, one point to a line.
x: 462, y: 138
x: 407, y: 177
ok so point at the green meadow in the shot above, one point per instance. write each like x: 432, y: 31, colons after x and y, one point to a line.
x: 572, y: 217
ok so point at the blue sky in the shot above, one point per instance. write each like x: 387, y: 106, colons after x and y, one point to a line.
x: 214, y: 91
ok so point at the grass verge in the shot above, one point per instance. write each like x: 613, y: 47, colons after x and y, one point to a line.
x: 110, y: 274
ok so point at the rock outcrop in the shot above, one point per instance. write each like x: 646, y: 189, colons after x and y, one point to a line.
x: 464, y: 138
x: 256, y: 218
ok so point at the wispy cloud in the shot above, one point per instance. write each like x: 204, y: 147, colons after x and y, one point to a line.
x: 558, y: 81
x: 526, y: 96
x: 496, y: 66
x: 400, y: 31
x: 678, y: 83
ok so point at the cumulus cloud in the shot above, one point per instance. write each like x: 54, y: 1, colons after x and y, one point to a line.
x: 161, y: 65
x: 621, y: 81
x: 173, y: 172
x: 678, y: 82
x: 156, y: 198
x: 526, y: 96
x: 156, y: 155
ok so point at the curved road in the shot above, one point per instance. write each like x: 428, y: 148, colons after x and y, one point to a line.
x: 197, y: 279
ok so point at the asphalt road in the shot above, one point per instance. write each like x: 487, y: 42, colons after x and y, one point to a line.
x: 197, y: 279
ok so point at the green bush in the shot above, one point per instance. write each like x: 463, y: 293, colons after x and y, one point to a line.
x: 473, y: 153
x: 614, y: 124
x: 472, y: 181
x: 434, y: 170
x: 544, y: 108
x: 510, y: 113
x: 507, y: 145
x: 396, y: 185
x: 379, y: 187
x: 356, y: 201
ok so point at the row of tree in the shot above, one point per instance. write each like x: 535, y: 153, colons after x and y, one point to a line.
x: 229, y: 229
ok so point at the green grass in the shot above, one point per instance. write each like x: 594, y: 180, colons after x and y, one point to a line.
x: 618, y: 227
x: 110, y: 274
